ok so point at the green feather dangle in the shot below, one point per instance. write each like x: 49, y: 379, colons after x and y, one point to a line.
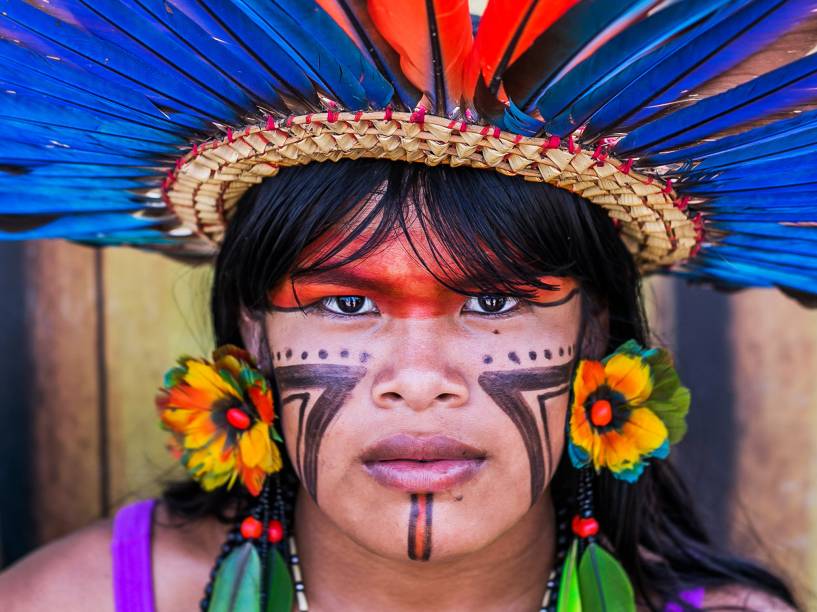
x: 238, y: 582
x: 279, y: 583
x: 603, y: 583
x: 569, y: 599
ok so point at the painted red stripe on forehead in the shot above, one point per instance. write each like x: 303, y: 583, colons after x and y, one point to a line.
x: 398, y: 283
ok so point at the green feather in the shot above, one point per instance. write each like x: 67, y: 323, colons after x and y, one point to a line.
x: 603, y: 583
x: 281, y: 592
x: 237, y: 585
x: 569, y: 598
x: 669, y: 400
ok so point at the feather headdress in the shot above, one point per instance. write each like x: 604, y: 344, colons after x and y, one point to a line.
x: 690, y: 121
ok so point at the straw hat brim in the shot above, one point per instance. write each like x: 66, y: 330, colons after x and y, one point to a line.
x: 207, y: 183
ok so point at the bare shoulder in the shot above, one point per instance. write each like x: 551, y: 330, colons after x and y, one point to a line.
x: 72, y: 573
x: 744, y: 598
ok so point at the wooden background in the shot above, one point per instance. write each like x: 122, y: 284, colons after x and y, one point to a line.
x: 87, y: 334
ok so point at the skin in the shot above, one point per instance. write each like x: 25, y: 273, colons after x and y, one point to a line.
x: 426, y: 362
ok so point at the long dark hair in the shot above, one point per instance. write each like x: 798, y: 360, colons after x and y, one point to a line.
x: 501, y: 233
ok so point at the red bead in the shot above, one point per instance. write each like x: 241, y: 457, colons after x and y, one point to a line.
x: 251, y: 528
x: 238, y: 418
x: 585, y: 527
x: 601, y: 413
x: 275, y: 531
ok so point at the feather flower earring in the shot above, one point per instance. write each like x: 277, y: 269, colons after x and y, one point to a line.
x: 626, y: 409
x: 220, y: 414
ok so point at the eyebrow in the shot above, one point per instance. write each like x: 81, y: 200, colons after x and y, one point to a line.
x: 338, y: 277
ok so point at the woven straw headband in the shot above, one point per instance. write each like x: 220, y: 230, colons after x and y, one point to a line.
x: 207, y: 183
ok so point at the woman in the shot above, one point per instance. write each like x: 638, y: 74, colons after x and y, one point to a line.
x: 452, y: 360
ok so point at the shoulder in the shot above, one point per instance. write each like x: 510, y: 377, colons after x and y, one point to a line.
x: 75, y: 573
x: 72, y: 573
x: 737, y: 597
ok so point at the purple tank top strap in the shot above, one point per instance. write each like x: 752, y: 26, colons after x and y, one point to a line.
x: 130, y: 552
x: 693, y: 598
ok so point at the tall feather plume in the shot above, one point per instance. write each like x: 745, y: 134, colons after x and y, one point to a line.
x: 433, y: 39
x: 353, y: 17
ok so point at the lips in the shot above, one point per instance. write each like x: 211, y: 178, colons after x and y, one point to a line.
x: 417, y: 464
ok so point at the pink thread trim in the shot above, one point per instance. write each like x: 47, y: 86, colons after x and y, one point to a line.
x: 484, y: 131
x: 358, y: 115
x: 682, y: 203
x: 668, y: 187
x: 230, y: 135
x: 626, y: 166
x: 332, y: 116
x: 309, y: 118
x: 178, y: 163
x: 452, y: 124
x: 517, y: 139
x: 387, y: 113
x: 290, y: 119
x: 419, y: 115
x: 571, y: 145
x: 195, y: 150
x: 270, y: 123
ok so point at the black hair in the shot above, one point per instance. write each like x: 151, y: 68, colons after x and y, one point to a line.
x: 500, y: 234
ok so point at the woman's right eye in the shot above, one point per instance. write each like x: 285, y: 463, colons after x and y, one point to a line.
x: 349, y: 305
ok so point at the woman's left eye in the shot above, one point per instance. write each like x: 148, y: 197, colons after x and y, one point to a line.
x: 490, y: 304
x: 349, y: 305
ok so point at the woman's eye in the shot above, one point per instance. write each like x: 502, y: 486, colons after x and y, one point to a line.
x: 349, y: 305
x: 490, y: 304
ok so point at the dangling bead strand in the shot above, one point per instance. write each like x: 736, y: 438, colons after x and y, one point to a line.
x: 297, y: 576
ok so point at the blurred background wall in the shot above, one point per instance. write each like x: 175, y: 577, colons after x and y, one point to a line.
x: 87, y: 334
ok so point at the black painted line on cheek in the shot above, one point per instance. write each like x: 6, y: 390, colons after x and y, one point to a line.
x: 532, y: 355
x: 323, y: 354
x: 542, y: 399
x: 513, y: 357
x: 506, y: 388
x: 337, y: 383
x: 304, y: 399
x: 419, y: 527
x: 487, y: 359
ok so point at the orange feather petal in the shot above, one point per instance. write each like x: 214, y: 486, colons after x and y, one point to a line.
x: 436, y: 69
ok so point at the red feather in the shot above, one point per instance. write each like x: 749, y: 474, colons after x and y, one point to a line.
x: 433, y: 39
x: 507, y: 29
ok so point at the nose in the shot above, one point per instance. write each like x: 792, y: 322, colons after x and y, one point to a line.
x: 419, y: 373
x: 419, y: 387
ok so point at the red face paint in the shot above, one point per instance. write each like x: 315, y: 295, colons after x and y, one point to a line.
x: 397, y: 283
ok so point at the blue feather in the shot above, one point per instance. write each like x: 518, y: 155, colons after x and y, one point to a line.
x: 225, y: 21
x: 770, y: 21
x: 775, y: 137
x: 224, y: 54
x: 619, y: 100
x: 781, y: 89
x: 614, y: 57
x: 551, y: 55
x: 71, y: 85
x: 79, y: 226
x: 317, y: 52
x: 59, y: 39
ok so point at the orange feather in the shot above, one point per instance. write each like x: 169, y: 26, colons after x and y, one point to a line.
x: 433, y: 39
x: 507, y: 29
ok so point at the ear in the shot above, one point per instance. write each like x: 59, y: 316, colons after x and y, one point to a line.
x: 254, y: 336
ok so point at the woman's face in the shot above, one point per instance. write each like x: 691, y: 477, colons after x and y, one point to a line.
x: 443, y: 413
